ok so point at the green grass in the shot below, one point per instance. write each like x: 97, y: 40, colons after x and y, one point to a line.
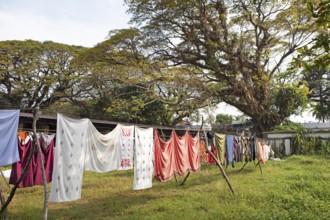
x: 296, y: 188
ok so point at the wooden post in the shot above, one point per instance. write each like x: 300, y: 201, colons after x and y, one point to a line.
x: 216, y: 160
x: 4, y: 178
x: 44, y: 181
x: 258, y: 164
x: 184, y: 180
x: 242, y: 167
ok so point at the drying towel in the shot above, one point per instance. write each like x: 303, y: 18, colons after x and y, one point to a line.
x: 8, y: 137
x: 143, y: 164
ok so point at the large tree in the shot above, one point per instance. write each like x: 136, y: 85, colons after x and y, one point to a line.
x: 133, y: 88
x: 35, y: 74
x: 314, y: 60
x: 241, y: 47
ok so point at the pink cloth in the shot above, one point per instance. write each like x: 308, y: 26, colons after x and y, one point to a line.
x: 261, y: 151
x: 176, y: 156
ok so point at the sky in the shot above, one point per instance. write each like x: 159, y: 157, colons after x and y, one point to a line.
x: 75, y: 22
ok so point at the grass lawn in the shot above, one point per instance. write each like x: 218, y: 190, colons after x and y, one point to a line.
x: 297, y: 187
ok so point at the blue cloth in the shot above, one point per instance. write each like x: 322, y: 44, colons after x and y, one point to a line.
x: 8, y: 137
x: 230, y: 149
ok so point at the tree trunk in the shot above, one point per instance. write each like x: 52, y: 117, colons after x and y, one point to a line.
x: 44, y: 181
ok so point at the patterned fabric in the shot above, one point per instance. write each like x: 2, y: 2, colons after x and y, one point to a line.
x: 126, y: 143
x: 103, y: 150
x: 143, y: 162
x: 202, y: 150
x: 237, y: 149
x: 246, y: 149
x: 79, y: 146
x: 69, y: 158
x: 8, y: 137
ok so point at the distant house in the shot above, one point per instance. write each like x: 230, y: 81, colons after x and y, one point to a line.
x: 316, y: 127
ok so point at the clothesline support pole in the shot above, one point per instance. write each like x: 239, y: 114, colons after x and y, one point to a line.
x: 258, y: 164
x: 185, y: 179
x: 176, y: 180
x: 221, y: 170
x: 242, y: 167
x: 4, y: 179
x: 43, y: 172
x: 216, y: 160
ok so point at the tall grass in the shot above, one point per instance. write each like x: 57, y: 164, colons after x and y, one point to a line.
x: 294, y: 188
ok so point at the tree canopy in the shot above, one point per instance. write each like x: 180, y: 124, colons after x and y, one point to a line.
x: 240, y: 47
x: 35, y: 74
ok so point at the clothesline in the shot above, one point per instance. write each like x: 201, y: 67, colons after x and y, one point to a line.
x: 79, y: 146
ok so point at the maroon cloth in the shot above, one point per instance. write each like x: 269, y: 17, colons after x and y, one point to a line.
x: 210, y: 159
x: 17, y: 168
x: 47, y: 150
x: 34, y: 174
x: 176, y: 156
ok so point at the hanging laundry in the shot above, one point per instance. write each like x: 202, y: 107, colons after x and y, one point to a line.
x: 176, y: 156
x: 71, y: 144
x: 246, y: 150
x: 8, y: 137
x: 230, y: 149
x: 263, y: 151
x: 237, y: 149
x: 202, y: 150
x: 47, y: 144
x: 24, y: 147
x: 103, y: 150
x: 210, y: 139
x: 253, y: 147
x: 220, y: 143
x: 126, y: 143
x: 210, y: 159
x: 143, y: 161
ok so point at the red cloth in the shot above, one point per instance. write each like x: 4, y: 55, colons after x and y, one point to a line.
x: 210, y: 159
x: 176, y: 156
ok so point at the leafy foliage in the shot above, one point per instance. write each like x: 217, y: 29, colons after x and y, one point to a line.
x: 37, y: 74
x: 239, y: 48
x: 224, y: 118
